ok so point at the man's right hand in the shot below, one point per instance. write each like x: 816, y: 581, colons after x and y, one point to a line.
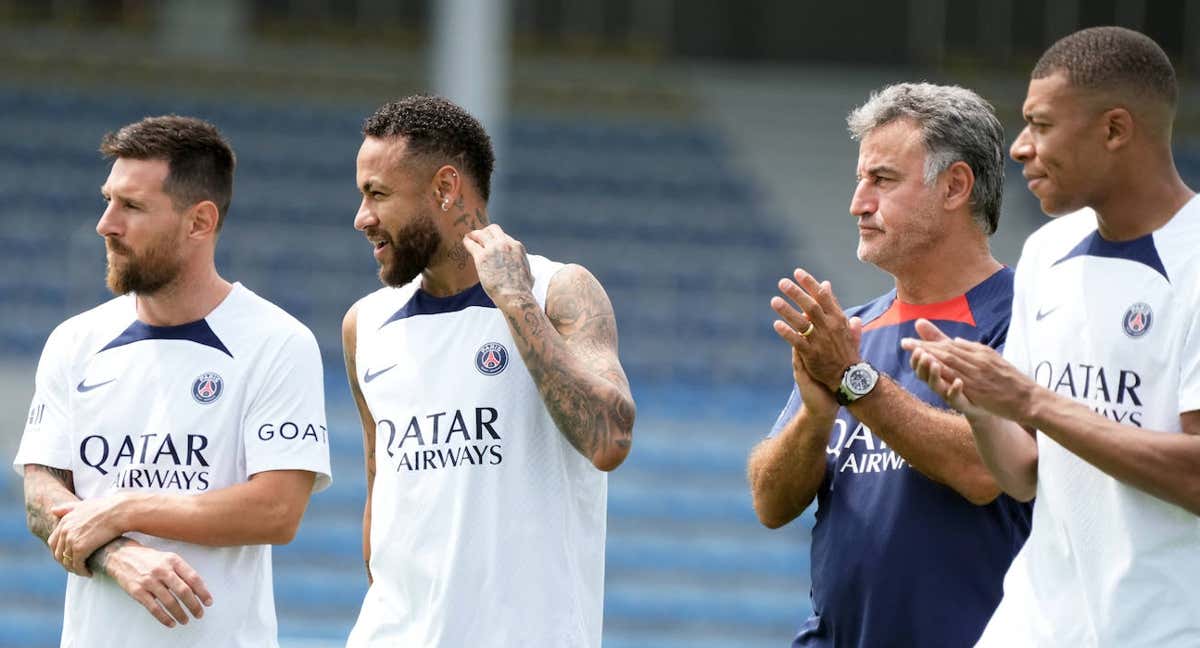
x: 161, y: 581
x: 816, y: 397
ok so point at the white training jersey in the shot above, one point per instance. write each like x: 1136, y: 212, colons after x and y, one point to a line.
x: 187, y: 410
x: 1115, y: 326
x: 487, y: 526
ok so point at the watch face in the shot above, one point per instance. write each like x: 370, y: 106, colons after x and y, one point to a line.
x: 859, y: 381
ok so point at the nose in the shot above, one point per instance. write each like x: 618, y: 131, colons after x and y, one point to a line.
x: 864, y: 201
x: 1022, y: 148
x: 364, y: 218
x: 109, y: 223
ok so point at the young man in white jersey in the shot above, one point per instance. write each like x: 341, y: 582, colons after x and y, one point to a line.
x: 492, y: 402
x: 177, y: 430
x: 1098, y: 414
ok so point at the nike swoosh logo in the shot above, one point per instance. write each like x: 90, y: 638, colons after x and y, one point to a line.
x: 1041, y: 314
x: 372, y: 376
x: 81, y: 388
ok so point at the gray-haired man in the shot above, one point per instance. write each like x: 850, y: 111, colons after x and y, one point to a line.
x: 912, y: 537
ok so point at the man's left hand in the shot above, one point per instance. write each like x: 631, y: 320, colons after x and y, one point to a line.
x: 831, y: 345
x: 501, y: 263
x: 85, y: 526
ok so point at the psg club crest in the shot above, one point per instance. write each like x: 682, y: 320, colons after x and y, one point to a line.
x: 1138, y: 319
x: 207, y: 388
x: 491, y: 359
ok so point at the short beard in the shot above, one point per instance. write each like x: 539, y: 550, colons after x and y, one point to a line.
x: 143, y: 275
x: 413, y: 247
x: 907, y: 245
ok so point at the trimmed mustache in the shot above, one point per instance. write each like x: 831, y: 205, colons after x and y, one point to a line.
x: 116, y: 246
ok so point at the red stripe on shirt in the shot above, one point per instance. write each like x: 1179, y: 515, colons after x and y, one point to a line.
x: 951, y: 310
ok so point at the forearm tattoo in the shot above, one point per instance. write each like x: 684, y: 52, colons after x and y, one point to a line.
x: 45, y: 488
x: 98, y: 561
x: 571, y: 353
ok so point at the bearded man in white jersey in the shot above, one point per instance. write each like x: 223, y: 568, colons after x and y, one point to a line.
x: 177, y: 430
x: 1095, y: 406
x: 492, y: 402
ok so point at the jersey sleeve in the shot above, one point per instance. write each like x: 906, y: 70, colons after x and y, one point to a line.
x: 1189, y: 366
x: 789, y: 411
x: 47, y: 437
x: 285, y: 423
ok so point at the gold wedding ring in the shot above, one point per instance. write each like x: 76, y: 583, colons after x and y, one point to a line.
x: 808, y: 331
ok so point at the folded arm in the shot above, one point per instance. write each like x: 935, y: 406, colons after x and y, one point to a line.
x: 267, y: 509
x: 161, y: 582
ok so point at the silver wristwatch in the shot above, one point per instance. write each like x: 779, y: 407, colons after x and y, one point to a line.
x: 858, y: 381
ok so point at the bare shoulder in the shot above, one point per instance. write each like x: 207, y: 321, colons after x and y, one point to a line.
x: 575, y: 301
x: 350, y: 321
x: 350, y: 342
x: 350, y: 326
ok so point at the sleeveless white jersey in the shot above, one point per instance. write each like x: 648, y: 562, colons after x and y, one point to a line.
x: 185, y: 409
x: 1115, y: 326
x: 487, y: 526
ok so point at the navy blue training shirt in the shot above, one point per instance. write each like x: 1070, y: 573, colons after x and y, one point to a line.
x: 897, y: 559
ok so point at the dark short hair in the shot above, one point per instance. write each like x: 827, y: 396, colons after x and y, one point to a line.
x: 200, y: 162
x: 1112, y: 58
x: 436, y: 128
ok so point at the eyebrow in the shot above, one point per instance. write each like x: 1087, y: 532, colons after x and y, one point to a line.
x: 371, y: 185
x: 882, y: 168
x: 1033, y: 113
x: 109, y: 194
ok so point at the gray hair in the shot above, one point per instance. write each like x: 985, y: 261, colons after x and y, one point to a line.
x: 956, y: 125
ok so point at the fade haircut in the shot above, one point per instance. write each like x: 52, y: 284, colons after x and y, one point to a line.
x: 200, y: 162
x: 1112, y: 58
x: 956, y: 125
x: 439, y: 130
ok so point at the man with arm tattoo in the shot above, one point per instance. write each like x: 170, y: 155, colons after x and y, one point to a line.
x: 178, y: 429
x: 492, y: 402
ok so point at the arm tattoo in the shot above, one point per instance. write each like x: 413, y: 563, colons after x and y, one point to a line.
x: 98, y: 561
x: 45, y: 487
x: 573, y: 361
